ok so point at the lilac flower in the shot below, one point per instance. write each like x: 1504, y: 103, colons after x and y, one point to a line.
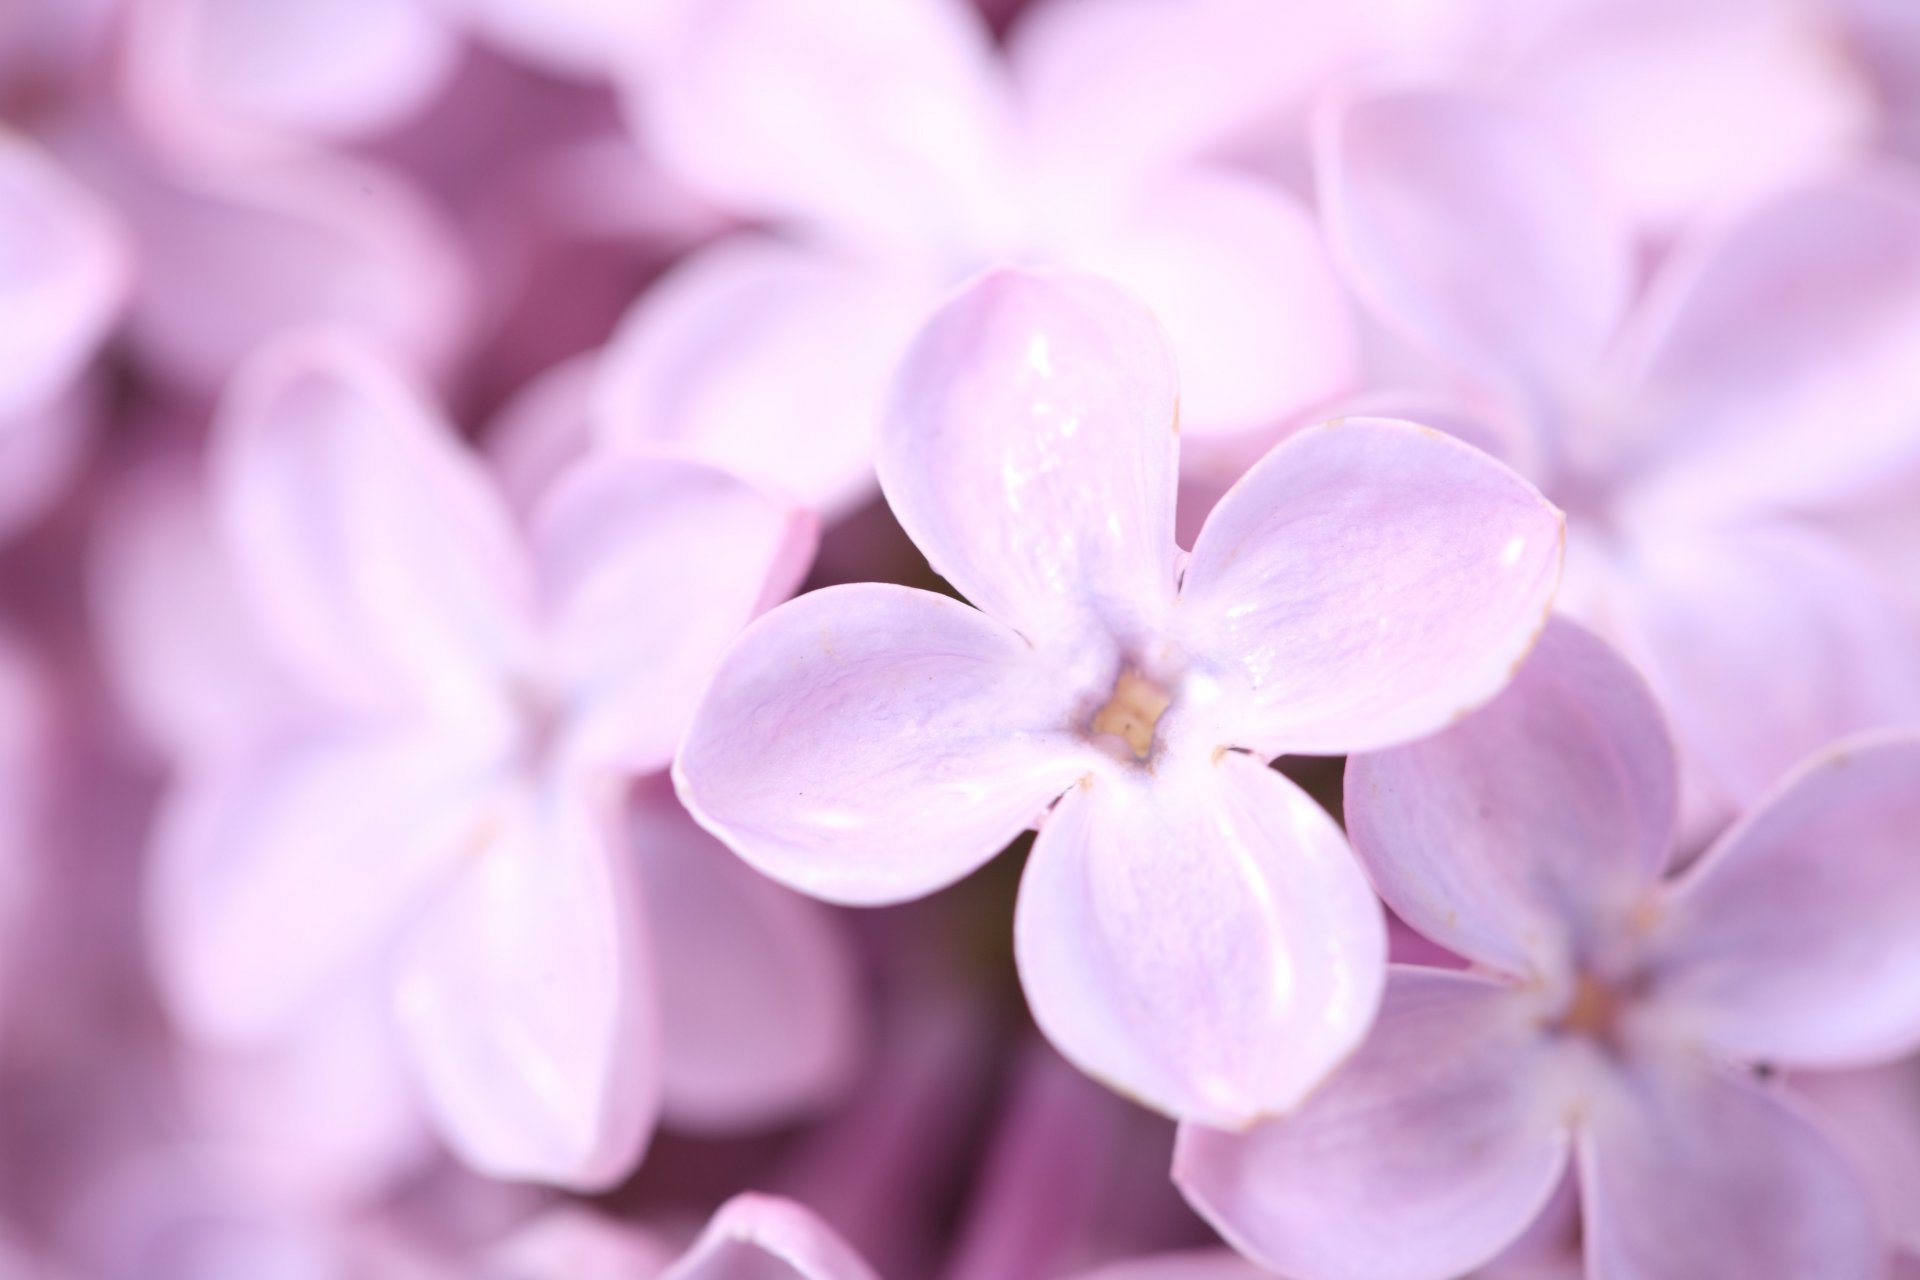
x: 1612, y: 1018
x: 452, y: 812
x: 902, y: 153
x: 1190, y: 927
x: 1766, y: 375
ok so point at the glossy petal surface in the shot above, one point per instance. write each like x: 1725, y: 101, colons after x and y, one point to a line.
x: 755, y: 1237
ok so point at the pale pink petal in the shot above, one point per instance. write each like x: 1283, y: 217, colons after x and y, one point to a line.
x: 1201, y: 941
x: 583, y: 39
x: 1030, y: 451
x: 882, y: 122
x: 1685, y: 1173
x: 572, y: 1243
x: 44, y: 448
x: 1778, y: 356
x: 1367, y: 582
x: 1200, y: 1264
x: 1874, y: 1116
x: 215, y: 74
x: 650, y: 566
x: 1466, y: 224
x: 760, y: 1014
x: 64, y: 272
x: 873, y: 743
x: 542, y: 430
x: 766, y: 357
x: 1765, y: 642
x: 1793, y: 939
x: 372, y: 547
x: 281, y: 867
x: 1435, y: 1148
x: 756, y: 1237
x: 1237, y: 272
x: 525, y: 998
x: 1522, y: 835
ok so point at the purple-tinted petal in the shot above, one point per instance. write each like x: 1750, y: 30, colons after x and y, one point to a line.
x: 650, y: 567
x: 1427, y: 1155
x: 759, y: 1011
x: 882, y: 121
x: 874, y: 743
x: 766, y: 357
x: 542, y: 430
x: 1531, y: 828
x: 1685, y: 1173
x: 1238, y: 274
x: 525, y: 996
x: 63, y: 275
x: 1030, y: 451
x: 584, y: 39
x: 756, y: 1237
x: 1201, y: 940
x: 1793, y: 938
x: 1874, y: 1116
x: 1466, y: 225
x: 1200, y: 1264
x: 284, y: 866
x: 371, y: 546
x: 1367, y: 582
x: 572, y: 1243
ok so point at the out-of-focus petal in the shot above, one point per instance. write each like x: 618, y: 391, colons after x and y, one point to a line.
x: 651, y: 566
x: 542, y: 430
x: 880, y: 122
x: 1366, y: 583
x: 525, y: 997
x: 1030, y: 451
x: 1200, y: 1264
x: 44, y: 447
x: 280, y: 868
x: 1201, y: 941
x: 757, y: 1237
x: 372, y: 547
x: 1765, y: 642
x: 572, y: 1243
x: 1463, y: 223
x: 1874, y: 1116
x: 1534, y: 825
x: 766, y: 357
x: 583, y: 39
x: 1426, y: 1156
x: 1686, y: 1173
x: 873, y: 743
x: 1238, y: 274
x: 1778, y: 357
x: 64, y: 272
x: 1792, y: 939
x: 759, y: 1011
x: 220, y: 74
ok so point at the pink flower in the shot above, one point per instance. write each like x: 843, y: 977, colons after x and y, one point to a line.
x: 1766, y: 375
x: 1190, y: 927
x: 902, y: 153
x: 1613, y: 1017
x: 450, y: 812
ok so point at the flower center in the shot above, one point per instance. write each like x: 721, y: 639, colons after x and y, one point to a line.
x: 1593, y: 1012
x: 1132, y: 711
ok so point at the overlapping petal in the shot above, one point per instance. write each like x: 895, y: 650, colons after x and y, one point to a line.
x: 1201, y: 941
x: 1367, y: 582
x: 1030, y: 451
x: 1425, y: 1157
x: 756, y: 1237
x: 1792, y: 940
x: 525, y: 999
x: 1520, y: 836
x: 872, y: 743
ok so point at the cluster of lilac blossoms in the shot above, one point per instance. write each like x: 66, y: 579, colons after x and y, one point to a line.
x: 967, y: 639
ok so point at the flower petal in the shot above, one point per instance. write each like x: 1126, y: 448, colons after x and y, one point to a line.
x: 1366, y: 583
x: 759, y: 1012
x: 1030, y: 451
x: 1239, y: 275
x: 765, y: 357
x: 1201, y: 941
x: 1464, y: 224
x: 768, y: 1238
x: 573, y: 1243
x: 372, y: 548
x: 873, y: 743
x: 1426, y: 1156
x: 651, y: 566
x: 284, y: 865
x: 1874, y: 1116
x: 1199, y: 1264
x: 1684, y: 1173
x: 525, y: 998
x: 1533, y: 826
x: 1792, y: 940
